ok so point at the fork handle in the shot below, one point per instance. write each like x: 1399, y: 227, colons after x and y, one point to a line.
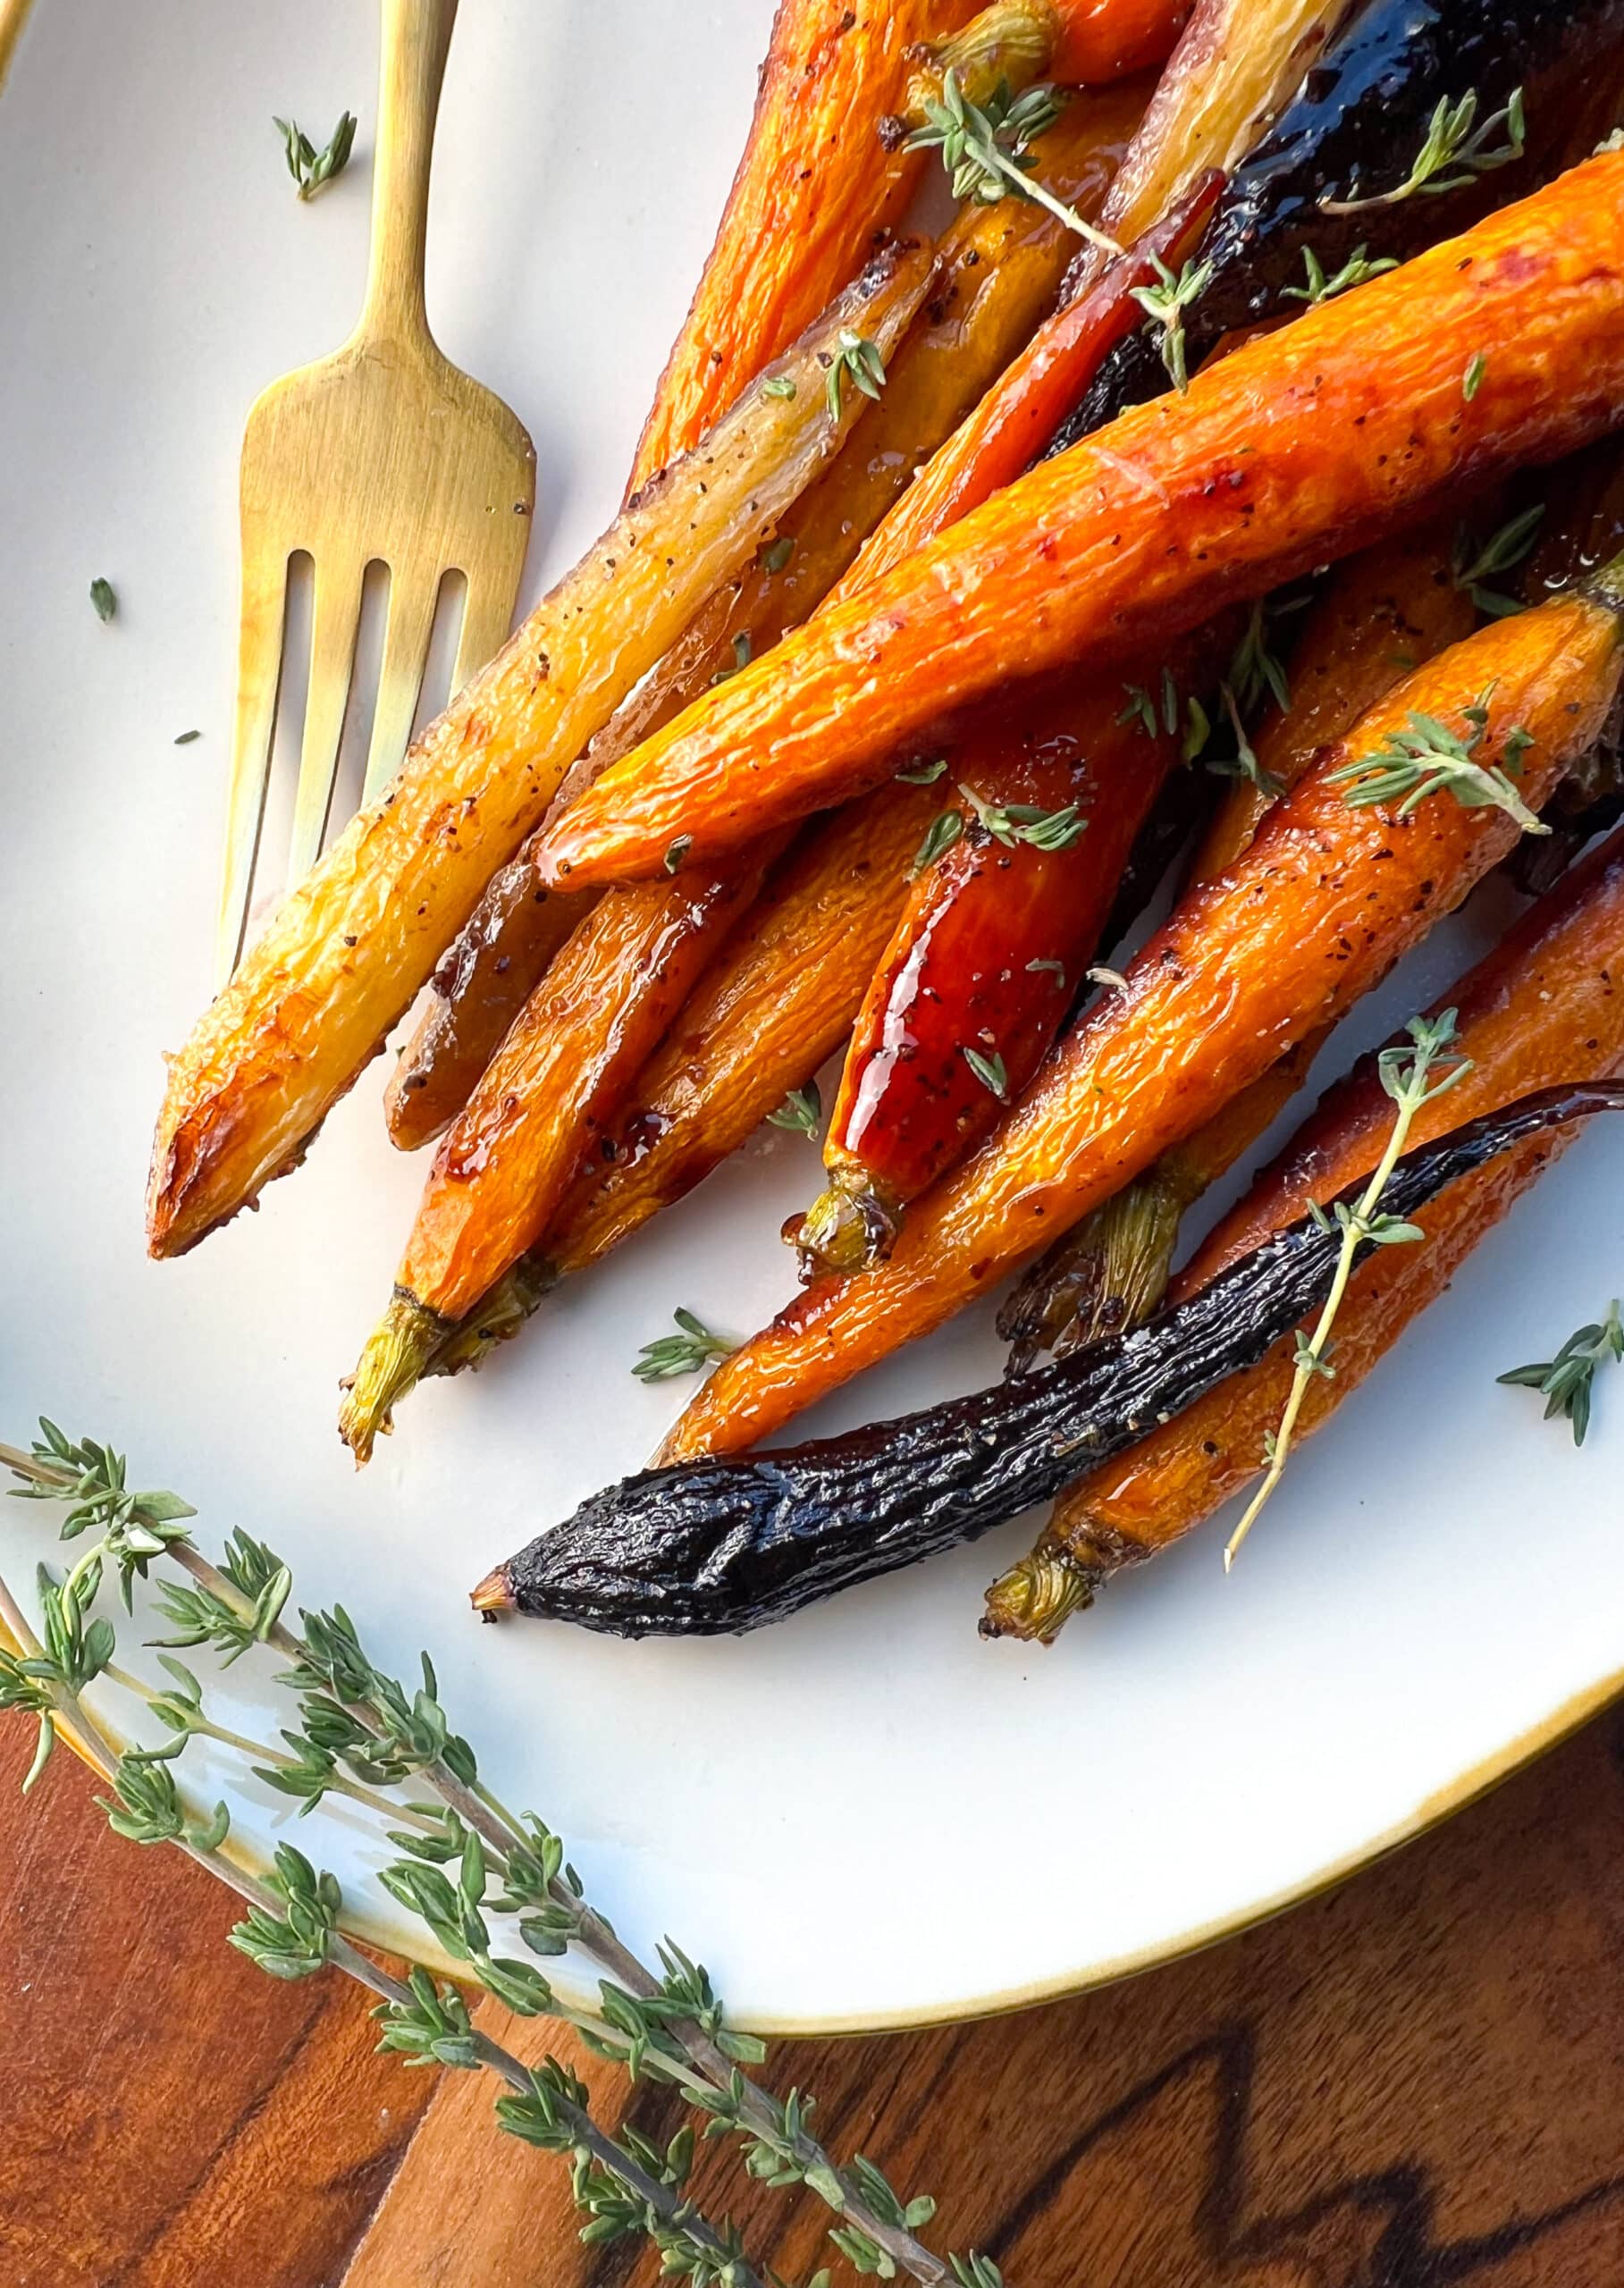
x: 416, y: 35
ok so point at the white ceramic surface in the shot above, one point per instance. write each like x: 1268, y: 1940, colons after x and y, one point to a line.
x: 867, y: 1816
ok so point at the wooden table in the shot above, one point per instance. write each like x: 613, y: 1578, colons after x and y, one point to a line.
x: 1415, y: 2082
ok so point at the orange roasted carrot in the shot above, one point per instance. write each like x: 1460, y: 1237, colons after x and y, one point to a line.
x: 559, y: 1074
x: 814, y: 186
x: 988, y: 956
x: 778, y: 998
x: 998, y: 266
x: 1379, y: 615
x: 1329, y: 895
x: 1234, y: 64
x: 1501, y: 346
x: 1546, y: 1006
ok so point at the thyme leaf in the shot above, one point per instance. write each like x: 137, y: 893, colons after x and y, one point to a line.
x: 1454, y: 152
x: 1353, y: 273
x: 103, y: 599
x: 1471, y: 567
x: 1028, y: 823
x: 985, y: 149
x: 1427, y: 757
x: 989, y: 1071
x: 945, y: 829
x: 801, y: 1111
x: 857, y: 359
x: 692, y: 1347
x: 312, y: 170
x: 1165, y: 305
x: 1565, y: 1381
x: 1408, y: 1076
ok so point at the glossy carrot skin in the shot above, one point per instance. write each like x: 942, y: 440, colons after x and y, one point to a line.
x: 1327, y: 898
x: 814, y: 188
x: 1381, y: 614
x: 1080, y: 43
x: 559, y: 1074
x: 780, y: 998
x: 1546, y: 1006
x: 347, y: 953
x: 998, y: 267
x: 988, y: 955
x: 1311, y: 440
x: 1104, y: 39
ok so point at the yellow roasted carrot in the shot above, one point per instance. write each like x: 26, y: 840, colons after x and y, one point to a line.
x: 1503, y: 345
x: 352, y: 947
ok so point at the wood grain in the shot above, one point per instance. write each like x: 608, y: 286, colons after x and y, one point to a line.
x: 169, y: 2117
x: 1416, y: 2082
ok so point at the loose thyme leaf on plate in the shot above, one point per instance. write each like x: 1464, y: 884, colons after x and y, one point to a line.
x: 1451, y: 143
x: 801, y: 1110
x: 186, y: 738
x: 1566, y: 1380
x: 103, y: 599
x: 694, y: 1346
x: 312, y: 170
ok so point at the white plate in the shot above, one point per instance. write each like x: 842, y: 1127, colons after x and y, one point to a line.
x: 867, y: 1816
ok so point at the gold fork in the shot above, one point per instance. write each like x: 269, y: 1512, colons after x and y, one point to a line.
x: 382, y: 453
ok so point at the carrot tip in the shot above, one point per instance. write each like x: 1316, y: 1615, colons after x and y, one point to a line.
x: 494, y: 1594
x: 397, y: 1351
x: 1035, y: 1599
x: 847, y: 1227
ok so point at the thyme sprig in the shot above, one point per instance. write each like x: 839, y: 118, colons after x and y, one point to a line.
x: 856, y: 359
x: 1428, y: 758
x: 465, y: 1859
x: 1565, y: 1381
x: 1353, y: 273
x: 1243, y: 763
x: 1455, y: 152
x: 312, y: 170
x: 1165, y: 305
x: 1015, y: 822
x: 1413, y: 1077
x: 986, y: 148
x: 692, y: 1347
x: 1472, y: 564
x: 801, y: 1111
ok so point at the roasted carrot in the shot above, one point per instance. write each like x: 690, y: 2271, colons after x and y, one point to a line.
x: 776, y: 1001
x: 588, y: 1027
x: 1234, y: 65
x: 1547, y: 1005
x: 1501, y: 346
x: 1329, y: 895
x: 352, y: 947
x: 998, y: 267
x: 1380, y: 614
x: 989, y: 955
x: 815, y: 186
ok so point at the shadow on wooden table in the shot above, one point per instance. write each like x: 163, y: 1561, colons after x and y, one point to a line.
x: 1414, y: 2083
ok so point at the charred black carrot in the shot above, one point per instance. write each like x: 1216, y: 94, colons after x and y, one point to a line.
x: 708, y: 1547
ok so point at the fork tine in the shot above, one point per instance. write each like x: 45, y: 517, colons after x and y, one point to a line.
x: 336, y: 618
x: 486, y: 620
x: 411, y: 623
x: 265, y: 589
